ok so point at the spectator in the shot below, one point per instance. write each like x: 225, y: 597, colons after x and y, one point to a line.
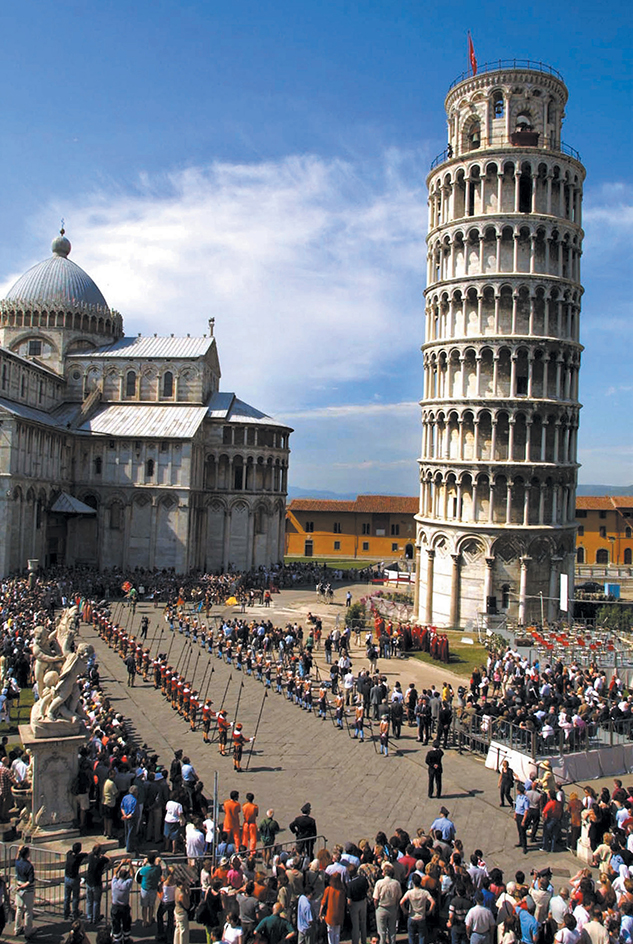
x: 150, y: 877
x: 24, y: 893
x: 387, y: 894
x: 120, y: 912
x: 97, y: 864
x: 181, y: 912
x: 72, y: 884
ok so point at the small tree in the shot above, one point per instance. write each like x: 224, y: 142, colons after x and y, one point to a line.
x: 354, y: 613
x: 616, y: 617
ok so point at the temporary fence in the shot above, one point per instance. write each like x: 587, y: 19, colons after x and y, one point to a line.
x: 49, y: 876
x: 189, y: 868
x: 478, y: 731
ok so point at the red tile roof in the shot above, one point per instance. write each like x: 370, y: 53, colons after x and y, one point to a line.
x: 622, y: 501
x: 594, y: 502
x: 320, y: 504
x: 364, y: 504
x: 387, y: 504
x: 603, y: 502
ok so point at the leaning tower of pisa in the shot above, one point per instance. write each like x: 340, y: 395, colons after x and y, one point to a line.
x: 501, y: 352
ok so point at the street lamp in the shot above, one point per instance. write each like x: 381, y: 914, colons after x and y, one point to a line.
x: 540, y: 593
x: 612, y: 555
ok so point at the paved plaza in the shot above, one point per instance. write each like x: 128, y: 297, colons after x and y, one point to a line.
x: 354, y: 790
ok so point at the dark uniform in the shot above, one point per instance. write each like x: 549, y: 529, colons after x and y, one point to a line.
x: 433, y: 761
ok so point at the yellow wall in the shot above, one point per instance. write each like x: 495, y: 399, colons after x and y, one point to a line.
x: 352, y: 542
x: 615, y: 525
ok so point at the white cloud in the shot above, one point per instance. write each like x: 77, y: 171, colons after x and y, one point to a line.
x: 352, y: 410
x: 313, y: 269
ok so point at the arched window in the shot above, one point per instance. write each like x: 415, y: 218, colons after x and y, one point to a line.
x: 98, y: 465
x: 168, y: 384
x: 149, y: 467
x: 505, y: 596
x: 524, y: 122
x: 474, y: 136
x: 551, y: 112
x: 130, y: 383
x: 628, y: 554
x: 498, y: 105
x: 580, y: 555
x: 116, y: 517
x: 602, y: 556
x: 627, y: 534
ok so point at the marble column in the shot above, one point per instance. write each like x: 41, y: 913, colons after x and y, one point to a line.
x: 454, y: 612
x: 523, y: 589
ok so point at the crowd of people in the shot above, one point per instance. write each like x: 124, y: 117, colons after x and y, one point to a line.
x: 232, y: 876
x: 552, y: 706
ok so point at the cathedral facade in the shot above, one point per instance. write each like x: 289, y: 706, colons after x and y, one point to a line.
x: 123, y: 451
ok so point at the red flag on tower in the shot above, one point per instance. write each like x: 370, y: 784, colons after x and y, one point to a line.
x: 471, y: 54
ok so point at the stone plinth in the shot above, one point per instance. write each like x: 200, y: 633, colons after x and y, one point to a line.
x: 55, y: 765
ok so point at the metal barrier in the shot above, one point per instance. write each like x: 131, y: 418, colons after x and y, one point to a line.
x: 184, y: 867
x: 49, y: 876
x: 478, y: 731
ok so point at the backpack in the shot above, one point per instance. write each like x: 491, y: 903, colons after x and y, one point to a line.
x: 267, y: 835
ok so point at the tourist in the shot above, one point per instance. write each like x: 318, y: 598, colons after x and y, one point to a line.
x: 166, y: 907
x: 174, y: 821
x: 96, y: 866
x: 149, y: 876
x: 181, y: 912
x: 24, y: 893
x: 386, y: 896
x: 72, y: 882
x: 120, y: 911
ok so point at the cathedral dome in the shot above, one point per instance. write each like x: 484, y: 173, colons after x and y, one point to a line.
x: 57, y: 283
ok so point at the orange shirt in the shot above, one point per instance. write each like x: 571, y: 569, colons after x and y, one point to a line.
x: 231, y: 816
x: 250, y: 812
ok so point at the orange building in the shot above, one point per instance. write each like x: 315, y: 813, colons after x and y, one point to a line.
x: 378, y: 527
x: 605, y: 527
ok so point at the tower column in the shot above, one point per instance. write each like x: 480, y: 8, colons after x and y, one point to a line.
x: 454, y: 612
x: 490, y: 563
x: 523, y: 589
x: 428, y: 605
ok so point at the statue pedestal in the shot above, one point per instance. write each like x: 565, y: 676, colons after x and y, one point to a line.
x: 55, y: 765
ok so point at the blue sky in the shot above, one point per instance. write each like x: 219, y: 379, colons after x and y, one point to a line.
x: 264, y: 164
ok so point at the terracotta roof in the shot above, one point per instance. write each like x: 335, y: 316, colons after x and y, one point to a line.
x: 603, y: 502
x: 388, y: 504
x: 622, y: 501
x: 593, y: 502
x: 320, y: 504
x: 364, y: 504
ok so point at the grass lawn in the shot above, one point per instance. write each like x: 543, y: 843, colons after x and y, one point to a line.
x: 19, y: 716
x: 463, y: 658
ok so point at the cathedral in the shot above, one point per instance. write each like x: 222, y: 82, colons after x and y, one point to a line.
x: 123, y: 451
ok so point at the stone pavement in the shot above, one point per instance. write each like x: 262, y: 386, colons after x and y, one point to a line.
x: 354, y: 791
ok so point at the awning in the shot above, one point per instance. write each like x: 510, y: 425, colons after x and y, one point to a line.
x: 69, y: 505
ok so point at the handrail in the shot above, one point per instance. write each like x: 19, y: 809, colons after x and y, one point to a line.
x: 448, y: 154
x: 497, y: 65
